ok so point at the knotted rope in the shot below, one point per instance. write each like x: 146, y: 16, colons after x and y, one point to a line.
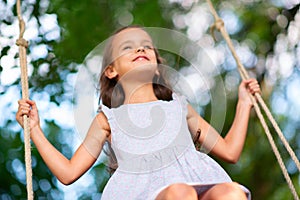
x: 219, y: 25
x: 23, y: 44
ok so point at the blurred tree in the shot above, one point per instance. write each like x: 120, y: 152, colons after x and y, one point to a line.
x: 81, y: 26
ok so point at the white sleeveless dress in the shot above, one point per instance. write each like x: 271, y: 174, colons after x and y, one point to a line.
x: 154, y: 149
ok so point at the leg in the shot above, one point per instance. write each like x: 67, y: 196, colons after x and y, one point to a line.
x: 224, y: 191
x: 178, y: 191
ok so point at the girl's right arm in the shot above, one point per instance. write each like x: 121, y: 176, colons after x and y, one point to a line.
x: 67, y: 171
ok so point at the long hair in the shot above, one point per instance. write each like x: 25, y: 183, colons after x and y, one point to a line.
x: 110, y: 87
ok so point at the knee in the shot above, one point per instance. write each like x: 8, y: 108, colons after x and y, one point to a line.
x: 233, y: 191
x: 179, y: 191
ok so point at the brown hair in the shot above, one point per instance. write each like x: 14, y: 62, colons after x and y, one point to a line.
x: 110, y: 87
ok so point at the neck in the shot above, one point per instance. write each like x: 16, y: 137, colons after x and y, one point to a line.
x: 139, y: 93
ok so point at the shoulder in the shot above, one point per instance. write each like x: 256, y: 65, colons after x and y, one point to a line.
x: 192, y: 113
x: 103, y: 122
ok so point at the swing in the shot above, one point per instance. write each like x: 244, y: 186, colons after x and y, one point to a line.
x: 23, y: 44
x: 219, y: 25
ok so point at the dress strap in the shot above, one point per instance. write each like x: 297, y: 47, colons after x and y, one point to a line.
x: 106, y: 110
x: 182, y: 99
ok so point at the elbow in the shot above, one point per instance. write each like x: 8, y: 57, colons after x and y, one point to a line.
x: 232, y: 158
x: 67, y: 181
x: 68, y: 178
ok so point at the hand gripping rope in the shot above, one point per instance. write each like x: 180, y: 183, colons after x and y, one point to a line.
x: 219, y: 25
x: 23, y: 44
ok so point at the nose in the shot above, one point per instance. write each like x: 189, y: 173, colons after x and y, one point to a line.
x: 140, y: 49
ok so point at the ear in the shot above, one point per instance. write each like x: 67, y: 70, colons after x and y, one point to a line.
x: 110, y: 72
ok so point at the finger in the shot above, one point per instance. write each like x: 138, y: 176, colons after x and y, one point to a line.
x: 27, y: 104
x: 247, y: 83
x: 23, y: 107
x: 31, y: 103
x: 250, y: 80
x: 252, y: 83
x: 23, y: 104
x: 254, y: 89
x: 24, y: 112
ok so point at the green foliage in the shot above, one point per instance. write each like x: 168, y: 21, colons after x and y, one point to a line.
x: 99, y: 23
x: 13, y: 183
x: 83, y: 25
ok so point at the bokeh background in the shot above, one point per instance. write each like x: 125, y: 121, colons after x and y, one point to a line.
x: 266, y: 34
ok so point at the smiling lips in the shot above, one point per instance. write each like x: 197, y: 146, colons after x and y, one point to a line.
x: 141, y: 58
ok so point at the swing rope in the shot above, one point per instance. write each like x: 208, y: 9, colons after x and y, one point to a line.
x: 23, y: 44
x: 219, y: 25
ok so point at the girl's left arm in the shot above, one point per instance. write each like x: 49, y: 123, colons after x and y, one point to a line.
x: 230, y: 147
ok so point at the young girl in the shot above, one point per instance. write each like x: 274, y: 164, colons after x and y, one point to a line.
x: 150, y: 130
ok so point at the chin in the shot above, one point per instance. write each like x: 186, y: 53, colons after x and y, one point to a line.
x: 141, y: 72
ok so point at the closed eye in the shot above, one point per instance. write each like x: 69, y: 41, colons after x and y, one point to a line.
x: 148, y: 47
x: 126, y: 48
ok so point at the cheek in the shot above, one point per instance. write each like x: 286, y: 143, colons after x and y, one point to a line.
x: 153, y: 57
x: 122, y: 64
x: 123, y: 58
x: 120, y: 55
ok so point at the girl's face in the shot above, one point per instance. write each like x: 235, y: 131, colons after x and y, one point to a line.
x: 132, y: 50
